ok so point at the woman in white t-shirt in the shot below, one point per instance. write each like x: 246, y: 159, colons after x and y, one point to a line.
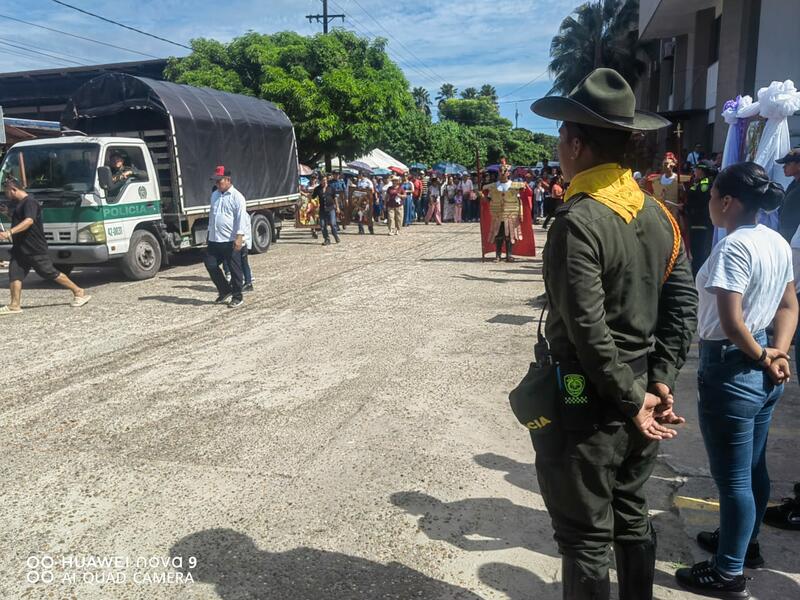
x: 745, y: 286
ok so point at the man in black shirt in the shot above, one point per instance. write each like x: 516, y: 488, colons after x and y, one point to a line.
x: 29, y: 248
x: 790, y: 211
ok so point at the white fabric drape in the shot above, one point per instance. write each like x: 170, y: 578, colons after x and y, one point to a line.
x: 777, y: 103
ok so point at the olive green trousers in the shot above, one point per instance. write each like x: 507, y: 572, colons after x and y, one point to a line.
x: 592, y: 484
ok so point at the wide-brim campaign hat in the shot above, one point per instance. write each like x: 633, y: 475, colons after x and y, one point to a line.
x: 603, y: 99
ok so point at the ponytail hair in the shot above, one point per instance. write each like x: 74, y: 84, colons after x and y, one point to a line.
x: 750, y: 183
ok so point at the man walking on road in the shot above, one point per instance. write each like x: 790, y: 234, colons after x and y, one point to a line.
x: 226, y: 222
x: 328, y: 192
x: 29, y: 248
x: 622, y: 312
x: 394, y: 206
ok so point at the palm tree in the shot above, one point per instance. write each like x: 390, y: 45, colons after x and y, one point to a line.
x: 422, y: 100
x: 488, y: 91
x: 446, y: 92
x: 600, y: 33
x: 470, y: 93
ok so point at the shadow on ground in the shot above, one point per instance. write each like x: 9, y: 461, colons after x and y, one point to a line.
x: 479, y: 524
x: 239, y: 570
x: 176, y: 300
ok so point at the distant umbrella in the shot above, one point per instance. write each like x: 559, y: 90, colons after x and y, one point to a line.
x: 360, y: 166
x: 450, y: 168
x: 305, y: 170
x: 418, y: 166
x: 381, y: 172
x: 397, y: 170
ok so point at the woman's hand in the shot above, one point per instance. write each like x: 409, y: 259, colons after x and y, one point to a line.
x: 773, y: 354
x: 779, y: 370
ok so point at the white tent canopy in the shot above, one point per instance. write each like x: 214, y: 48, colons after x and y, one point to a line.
x: 378, y: 159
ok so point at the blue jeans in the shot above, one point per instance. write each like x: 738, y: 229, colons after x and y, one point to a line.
x: 409, y: 214
x: 328, y: 217
x: 736, y: 398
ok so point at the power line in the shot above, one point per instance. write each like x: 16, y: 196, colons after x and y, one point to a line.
x: 91, y: 14
x: 42, y: 53
x: 56, y: 53
x: 18, y: 54
x: 80, y: 37
x: 515, y: 101
x: 361, y: 29
x: 410, y: 52
x: 522, y: 87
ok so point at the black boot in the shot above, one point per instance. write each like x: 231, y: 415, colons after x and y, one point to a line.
x: 577, y: 586
x: 509, y: 250
x: 636, y: 564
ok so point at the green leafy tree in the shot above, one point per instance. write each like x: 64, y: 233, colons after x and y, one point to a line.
x: 446, y: 92
x: 422, y: 100
x: 470, y: 93
x: 489, y: 91
x: 479, y: 111
x: 339, y: 90
x: 600, y: 33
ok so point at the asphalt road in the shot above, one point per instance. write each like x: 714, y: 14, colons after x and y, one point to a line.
x: 345, y: 434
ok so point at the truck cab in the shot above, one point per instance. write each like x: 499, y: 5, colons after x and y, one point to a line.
x: 95, y: 193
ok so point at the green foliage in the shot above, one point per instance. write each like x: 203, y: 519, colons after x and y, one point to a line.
x: 489, y: 91
x: 413, y: 138
x: 446, y: 92
x: 478, y: 111
x: 600, y: 33
x: 422, y: 100
x: 339, y: 90
x: 345, y: 97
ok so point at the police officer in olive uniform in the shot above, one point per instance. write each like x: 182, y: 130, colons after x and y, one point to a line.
x: 622, y: 312
x: 701, y: 229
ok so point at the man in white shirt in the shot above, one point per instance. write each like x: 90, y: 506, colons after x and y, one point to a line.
x: 227, y: 220
x: 466, y: 193
x: 695, y: 157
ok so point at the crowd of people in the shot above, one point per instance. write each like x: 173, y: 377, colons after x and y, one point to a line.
x: 428, y: 197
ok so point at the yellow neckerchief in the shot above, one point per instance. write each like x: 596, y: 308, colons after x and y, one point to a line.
x: 612, y: 186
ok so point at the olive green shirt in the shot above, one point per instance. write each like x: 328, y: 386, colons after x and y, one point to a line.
x: 607, y: 304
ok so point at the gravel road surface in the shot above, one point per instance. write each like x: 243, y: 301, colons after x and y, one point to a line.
x: 343, y: 435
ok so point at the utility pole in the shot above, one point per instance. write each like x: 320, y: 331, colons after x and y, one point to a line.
x: 516, y: 116
x: 324, y: 18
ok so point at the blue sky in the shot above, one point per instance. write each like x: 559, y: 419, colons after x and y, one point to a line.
x: 463, y: 42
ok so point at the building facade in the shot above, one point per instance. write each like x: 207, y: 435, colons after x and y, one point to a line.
x: 710, y: 51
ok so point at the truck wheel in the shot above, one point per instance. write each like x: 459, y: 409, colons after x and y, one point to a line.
x: 143, y: 259
x: 262, y: 233
x: 65, y: 269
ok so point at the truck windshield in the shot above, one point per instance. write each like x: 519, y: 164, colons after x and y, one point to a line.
x: 53, y: 169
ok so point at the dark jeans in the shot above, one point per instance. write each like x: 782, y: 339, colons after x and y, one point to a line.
x: 247, y: 274
x: 591, y: 482
x: 700, y: 243
x: 736, y: 398
x: 217, y: 254
x: 328, y: 217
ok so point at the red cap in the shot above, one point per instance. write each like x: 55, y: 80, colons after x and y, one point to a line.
x: 221, y: 171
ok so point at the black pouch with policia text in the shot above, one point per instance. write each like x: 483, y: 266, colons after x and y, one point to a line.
x: 554, y: 396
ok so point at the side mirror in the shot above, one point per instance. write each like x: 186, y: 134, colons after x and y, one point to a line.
x: 104, y: 176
